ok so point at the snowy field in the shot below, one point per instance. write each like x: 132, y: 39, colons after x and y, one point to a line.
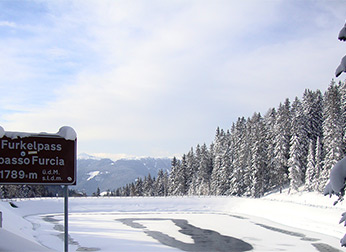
x: 277, y: 222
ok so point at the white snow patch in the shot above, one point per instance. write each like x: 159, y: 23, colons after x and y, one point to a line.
x: 68, y: 133
x: 15, y: 135
x: 2, y: 131
x: 93, y: 174
x: 65, y: 132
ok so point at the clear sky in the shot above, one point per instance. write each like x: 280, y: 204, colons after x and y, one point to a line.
x: 155, y: 78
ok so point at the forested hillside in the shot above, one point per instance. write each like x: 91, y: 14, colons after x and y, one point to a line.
x: 294, y: 145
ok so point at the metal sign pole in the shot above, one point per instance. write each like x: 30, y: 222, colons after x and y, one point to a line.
x: 66, y: 217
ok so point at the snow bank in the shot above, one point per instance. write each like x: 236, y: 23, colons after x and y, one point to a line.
x: 65, y: 132
x: 2, y: 131
x: 308, y: 211
x: 68, y: 133
x: 16, y: 234
x: 12, y: 242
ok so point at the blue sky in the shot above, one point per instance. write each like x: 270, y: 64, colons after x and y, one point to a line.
x: 155, y: 78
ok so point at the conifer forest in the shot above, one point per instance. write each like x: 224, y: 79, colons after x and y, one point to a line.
x: 292, y: 146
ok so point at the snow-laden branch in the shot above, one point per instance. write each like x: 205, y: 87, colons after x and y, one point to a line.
x: 336, y: 185
x: 342, y: 67
x: 342, y: 34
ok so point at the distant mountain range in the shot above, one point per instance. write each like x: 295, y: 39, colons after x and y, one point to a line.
x: 106, y: 174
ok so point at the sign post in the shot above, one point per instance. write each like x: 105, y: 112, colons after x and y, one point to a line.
x: 40, y: 159
x: 66, y: 217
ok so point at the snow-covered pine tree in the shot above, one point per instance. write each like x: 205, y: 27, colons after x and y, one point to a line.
x: 191, y: 168
x: 173, y: 176
x: 161, y: 184
x: 204, y: 172
x: 246, y: 158
x: 238, y: 132
x: 133, y: 192
x: 332, y: 131
x: 318, y: 166
x: 220, y: 174
x: 217, y: 157
x: 342, y: 88
x: 310, y: 169
x: 181, y: 188
x: 192, y: 190
x: 282, y: 143
x: 312, y: 111
x: 258, y: 155
x: 139, y: 187
x: 269, y: 121
x: 148, y: 186
x: 226, y: 169
x: 295, y: 165
x: 298, y: 144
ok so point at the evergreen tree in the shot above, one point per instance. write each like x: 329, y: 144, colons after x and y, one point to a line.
x: 139, y: 187
x: 258, y: 155
x: 246, y: 152
x: 298, y: 151
x: 220, y: 174
x: 133, y: 192
x: 180, y: 182
x: 148, y: 186
x: 318, y: 166
x: 295, y: 165
x: 282, y: 144
x: 204, y: 172
x: 191, y: 168
x: 238, y: 135
x: 97, y: 193
x: 310, y: 170
x: 161, y: 183
x: 173, y: 177
x: 270, y: 119
x: 312, y: 112
x: 332, y: 131
x: 342, y: 88
x: 224, y: 172
x: 196, y: 165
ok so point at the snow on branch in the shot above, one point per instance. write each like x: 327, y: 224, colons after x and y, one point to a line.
x: 342, y: 34
x: 342, y: 67
x: 336, y: 185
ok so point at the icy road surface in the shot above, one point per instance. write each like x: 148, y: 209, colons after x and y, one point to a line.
x: 274, y: 223
x: 175, y: 232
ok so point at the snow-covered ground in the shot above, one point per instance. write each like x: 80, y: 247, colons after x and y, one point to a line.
x: 276, y: 222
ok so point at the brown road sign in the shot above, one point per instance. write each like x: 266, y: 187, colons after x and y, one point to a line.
x: 47, y: 159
